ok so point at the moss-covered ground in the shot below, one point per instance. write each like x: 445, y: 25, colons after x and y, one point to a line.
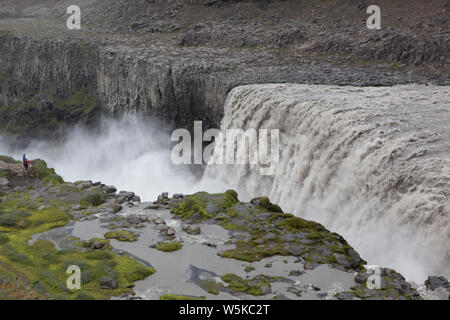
x: 40, y: 267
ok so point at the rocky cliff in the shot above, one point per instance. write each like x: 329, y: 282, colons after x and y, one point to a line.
x: 177, y: 61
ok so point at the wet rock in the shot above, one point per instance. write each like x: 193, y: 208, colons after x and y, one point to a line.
x: 84, y: 185
x: 159, y: 220
x: 193, y: 231
x: 355, y: 259
x: 135, y: 219
x: 162, y: 227
x: 125, y: 196
x: 163, y: 198
x: 152, y: 207
x: 345, y: 296
x: 361, y: 277
x: 294, y: 290
x: 297, y: 250
x: 310, y: 265
x: 108, y: 283
x: 110, y: 189
x: 265, y: 289
x: 97, y: 245
x: 209, y: 244
x: 341, y: 260
x: 136, y: 199
x: 434, y: 282
x: 170, y: 232
x: 296, y: 273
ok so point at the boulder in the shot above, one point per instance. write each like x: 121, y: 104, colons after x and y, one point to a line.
x: 265, y: 289
x: 108, y: 283
x: 97, y: 245
x: 434, y: 282
x: 110, y: 189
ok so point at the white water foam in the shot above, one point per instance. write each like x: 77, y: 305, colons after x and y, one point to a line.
x: 372, y: 164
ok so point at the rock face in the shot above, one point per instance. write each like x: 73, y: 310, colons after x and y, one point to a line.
x: 434, y: 282
x: 108, y: 283
x: 50, y: 78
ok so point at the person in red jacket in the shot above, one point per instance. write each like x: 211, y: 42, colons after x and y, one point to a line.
x: 26, y: 162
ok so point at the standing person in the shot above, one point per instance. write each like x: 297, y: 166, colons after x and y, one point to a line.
x: 26, y: 162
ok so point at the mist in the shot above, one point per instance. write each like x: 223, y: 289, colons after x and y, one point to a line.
x: 130, y: 153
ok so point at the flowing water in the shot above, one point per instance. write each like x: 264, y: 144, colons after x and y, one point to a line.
x: 372, y: 164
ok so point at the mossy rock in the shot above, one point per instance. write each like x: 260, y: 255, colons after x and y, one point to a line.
x: 168, y: 246
x: 121, y: 235
x: 41, y: 171
x: 193, y: 231
x: 257, y: 286
x: 94, y: 199
x: 232, y: 193
x: 264, y: 202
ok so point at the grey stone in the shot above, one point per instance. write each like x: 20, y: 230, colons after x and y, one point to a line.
x: 159, y: 220
x: 434, y: 282
x: 108, y: 283
x: 265, y: 289
x: 297, y: 250
x: 110, y: 189
x: 341, y: 260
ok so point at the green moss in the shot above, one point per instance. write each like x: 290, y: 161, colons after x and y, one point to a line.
x: 41, y: 171
x: 295, y: 224
x: 94, y: 199
x: 264, y: 202
x: 211, y: 286
x: 8, y: 159
x: 249, y: 286
x: 3, y: 238
x: 44, y: 266
x: 248, y: 253
x: 169, y: 246
x: 121, y: 235
x: 232, y: 193
x: 249, y: 268
x: 192, y: 204
x: 170, y: 296
x: 193, y: 231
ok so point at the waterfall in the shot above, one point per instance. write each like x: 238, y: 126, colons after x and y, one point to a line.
x: 371, y: 163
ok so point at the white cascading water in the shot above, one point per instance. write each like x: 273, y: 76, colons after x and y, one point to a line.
x: 130, y: 153
x: 372, y: 164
